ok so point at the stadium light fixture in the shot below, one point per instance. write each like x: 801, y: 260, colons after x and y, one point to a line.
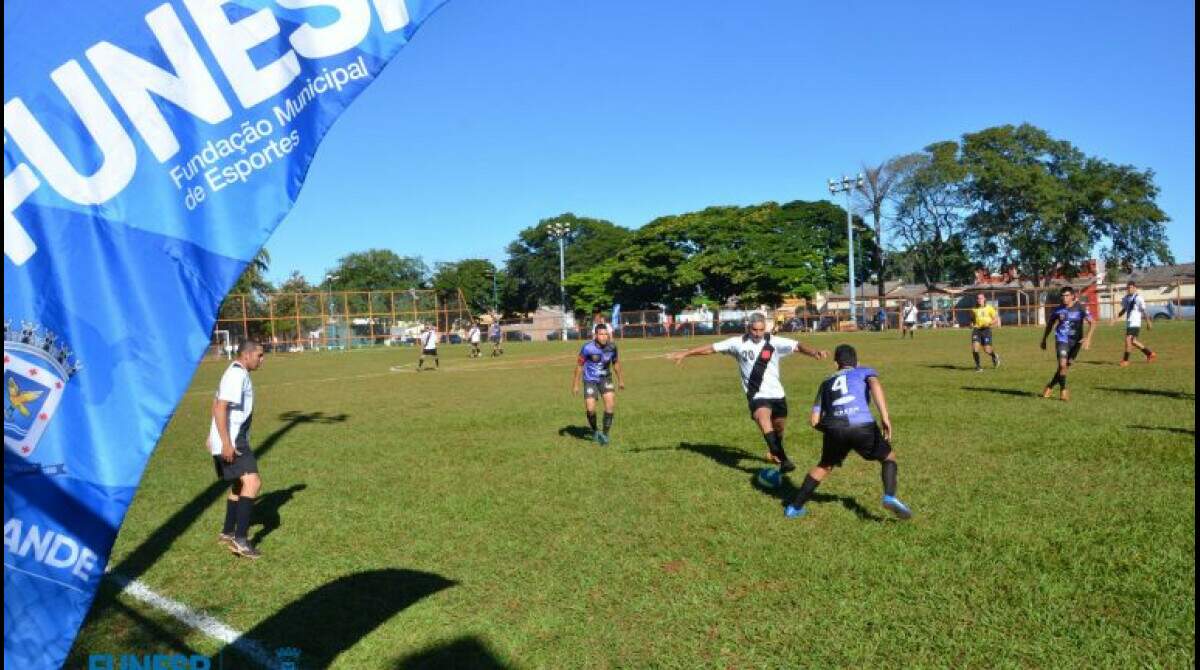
x: 559, y: 230
x: 847, y: 185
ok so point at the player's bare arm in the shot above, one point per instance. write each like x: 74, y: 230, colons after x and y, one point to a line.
x: 814, y: 419
x: 1049, y: 328
x: 220, y: 413
x: 620, y: 375
x: 705, y: 350
x: 880, y: 400
x: 1087, y: 335
x: 818, y: 354
x: 576, y: 376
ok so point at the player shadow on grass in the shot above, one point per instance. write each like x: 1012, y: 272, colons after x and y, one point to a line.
x: 1019, y: 393
x: 1166, y: 429
x: 463, y: 652
x: 1158, y: 393
x: 578, y: 432
x: 325, y: 622
x: 266, y: 510
x: 158, y: 542
x: 732, y: 458
x: 947, y: 366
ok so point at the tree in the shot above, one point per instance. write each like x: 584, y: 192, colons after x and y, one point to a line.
x: 378, y: 270
x: 876, y: 190
x: 759, y: 254
x: 532, y: 264
x: 472, y: 276
x: 253, y: 279
x: 930, y: 216
x: 1042, y: 206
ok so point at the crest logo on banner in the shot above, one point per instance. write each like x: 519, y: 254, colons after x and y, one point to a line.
x: 37, y: 369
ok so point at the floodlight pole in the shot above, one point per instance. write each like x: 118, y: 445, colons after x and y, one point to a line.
x: 846, y: 185
x: 560, y: 230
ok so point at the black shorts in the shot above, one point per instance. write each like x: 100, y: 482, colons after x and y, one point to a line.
x: 429, y: 352
x: 982, y: 336
x: 597, y: 389
x: 244, y: 463
x: 865, y: 439
x: 1067, y: 350
x: 1133, y: 331
x: 778, y: 407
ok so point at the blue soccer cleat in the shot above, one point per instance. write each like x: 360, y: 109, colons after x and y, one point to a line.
x: 893, y: 505
x: 794, y: 512
x: 601, y: 439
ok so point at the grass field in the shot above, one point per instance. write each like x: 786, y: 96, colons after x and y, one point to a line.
x: 455, y: 519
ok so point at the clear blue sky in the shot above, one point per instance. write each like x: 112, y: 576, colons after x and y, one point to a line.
x: 503, y: 113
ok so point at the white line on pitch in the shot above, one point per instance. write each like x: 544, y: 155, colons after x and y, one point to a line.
x: 200, y: 621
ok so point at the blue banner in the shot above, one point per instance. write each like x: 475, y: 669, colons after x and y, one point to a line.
x: 616, y: 316
x: 150, y: 149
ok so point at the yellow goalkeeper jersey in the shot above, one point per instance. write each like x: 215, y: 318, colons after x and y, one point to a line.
x: 983, y: 317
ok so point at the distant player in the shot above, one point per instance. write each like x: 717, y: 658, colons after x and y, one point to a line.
x: 1133, y: 308
x: 229, y: 444
x: 429, y: 342
x: 1066, y: 321
x: 758, y: 357
x: 908, y: 320
x: 497, y: 337
x: 598, y: 363
x: 842, y: 411
x: 983, y: 317
x: 474, y: 337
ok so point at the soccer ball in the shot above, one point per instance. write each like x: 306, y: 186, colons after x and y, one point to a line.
x: 769, y: 478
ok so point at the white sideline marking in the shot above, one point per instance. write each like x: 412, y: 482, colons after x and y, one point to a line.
x: 195, y: 620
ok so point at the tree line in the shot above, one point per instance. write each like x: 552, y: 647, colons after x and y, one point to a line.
x: 1007, y: 197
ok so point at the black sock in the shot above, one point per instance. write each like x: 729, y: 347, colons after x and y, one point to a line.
x: 608, y: 419
x: 775, y: 446
x: 437, y: 363
x: 1053, y: 380
x: 1062, y: 382
x: 230, y: 516
x: 1126, y: 358
x: 244, y: 505
x: 889, y: 478
x: 975, y: 355
x: 806, y: 490
x: 592, y: 420
x: 994, y: 358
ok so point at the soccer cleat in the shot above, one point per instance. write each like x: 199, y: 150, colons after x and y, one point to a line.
x: 787, y: 466
x: 225, y: 538
x: 978, y: 369
x: 772, y: 457
x: 893, y: 505
x: 1064, y: 395
x: 1048, y: 392
x: 996, y: 363
x: 1124, y: 364
x: 244, y: 549
x: 794, y: 512
x: 601, y: 439
x: 1151, y: 357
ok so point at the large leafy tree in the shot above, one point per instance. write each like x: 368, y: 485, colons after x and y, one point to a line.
x: 759, y: 254
x: 532, y: 265
x: 472, y: 276
x: 1043, y: 206
x: 377, y: 270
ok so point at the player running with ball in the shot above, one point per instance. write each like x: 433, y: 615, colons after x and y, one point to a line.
x: 758, y: 355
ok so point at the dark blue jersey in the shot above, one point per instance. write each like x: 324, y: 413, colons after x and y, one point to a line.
x: 845, y: 399
x: 597, y: 360
x: 1069, y: 328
